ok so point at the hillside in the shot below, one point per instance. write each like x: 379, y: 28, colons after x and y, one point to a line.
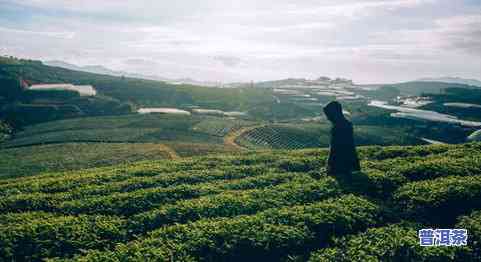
x: 456, y: 80
x: 78, y: 143
x: 116, y: 95
x: 417, y: 88
x: 86, y: 142
x: 262, y: 205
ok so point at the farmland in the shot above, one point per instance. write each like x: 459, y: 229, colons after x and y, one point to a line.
x: 159, y: 128
x: 88, y: 142
x: 271, y: 205
x: 103, y: 183
x: 313, y: 135
x: 127, y: 128
x: 101, y: 141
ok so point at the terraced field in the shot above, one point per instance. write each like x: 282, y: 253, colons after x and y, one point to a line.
x: 101, y: 141
x: 31, y: 160
x: 136, y: 128
x: 314, y: 135
x: 259, y: 206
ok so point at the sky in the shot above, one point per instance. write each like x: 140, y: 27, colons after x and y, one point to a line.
x: 369, y: 41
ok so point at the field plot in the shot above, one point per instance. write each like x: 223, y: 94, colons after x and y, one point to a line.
x: 285, y: 137
x: 26, y: 161
x: 308, y: 135
x: 130, y: 128
x: 100, y: 141
x: 219, y: 126
x: 267, y: 205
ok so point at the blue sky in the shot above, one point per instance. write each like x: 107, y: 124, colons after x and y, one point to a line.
x: 369, y: 41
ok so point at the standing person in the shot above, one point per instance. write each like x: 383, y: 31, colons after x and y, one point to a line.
x: 343, y: 158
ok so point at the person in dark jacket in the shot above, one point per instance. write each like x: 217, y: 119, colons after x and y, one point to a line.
x: 343, y: 158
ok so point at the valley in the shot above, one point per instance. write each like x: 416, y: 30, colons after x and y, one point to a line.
x: 129, y: 116
x: 145, y: 170
x: 240, y: 131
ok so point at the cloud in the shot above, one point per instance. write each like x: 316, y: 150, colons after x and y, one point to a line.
x: 235, y: 40
x: 229, y: 61
x: 462, y: 33
x: 64, y: 35
x: 140, y: 62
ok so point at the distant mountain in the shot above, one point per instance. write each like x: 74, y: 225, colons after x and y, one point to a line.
x: 454, y: 80
x: 101, y: 70
x: 417, y: 88
x: 98, y: 69
x: 302, y: 82
x: 62, y: 64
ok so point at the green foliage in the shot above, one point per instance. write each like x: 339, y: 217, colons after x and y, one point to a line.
x: 140, y: 91
x: 308, y: 135
x: 374, y: 183
x: 381, y: 153
x: 272, y: 110
x: 385, y: 92
x: 266, y: 205
x: 268, y: 235
x: 29, y: 96
x: 126, y: 128
x: 432, y: 199
x: 33, y: 236
x: 457, y: 95
x: 32, y: 160
x: 441, y: 166
x: 219, y: 126
x: 472, y: 223
x: 10, y: 88
x: 417, y: 88
x: 284, y: 137
x: 145, y: 199
x: 107, y: 200
x: 302, y: 189
x: 5, y: 131
x: 390, y: 243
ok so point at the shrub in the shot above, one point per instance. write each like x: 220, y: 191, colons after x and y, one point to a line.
x: 439, y: 200
x: 390, y: 243
x: 37, y: 235
x: 302, y: 189
x: 472, y: 223
x: 268, y: 235
x: 439, y: 167
x: 141, y: 200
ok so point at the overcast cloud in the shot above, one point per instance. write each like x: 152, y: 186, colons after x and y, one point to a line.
x: 370, y: 41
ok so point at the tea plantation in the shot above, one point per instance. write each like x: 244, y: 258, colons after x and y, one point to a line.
x: 253, y: 205
x: 314, y: 135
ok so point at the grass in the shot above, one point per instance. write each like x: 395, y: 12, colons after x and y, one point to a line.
x: 251, y: 205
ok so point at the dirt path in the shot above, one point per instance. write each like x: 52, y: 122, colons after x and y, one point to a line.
x: 229, y: 139
x: 171, y: 152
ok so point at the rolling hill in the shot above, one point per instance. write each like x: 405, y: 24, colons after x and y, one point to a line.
x: 112, y: 185
x: 456, y: 80
x: 116, y: 95
x: 269, y: 205
x: 418, y: 88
